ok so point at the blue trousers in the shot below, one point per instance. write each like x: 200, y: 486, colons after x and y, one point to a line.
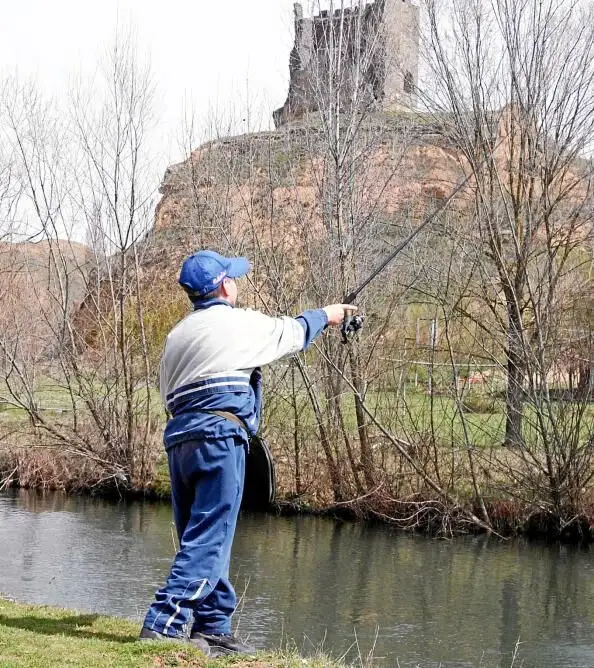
x: 207, y: 479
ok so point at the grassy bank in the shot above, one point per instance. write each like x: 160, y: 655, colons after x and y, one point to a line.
x: 526, y: 491
x: 39, y: 637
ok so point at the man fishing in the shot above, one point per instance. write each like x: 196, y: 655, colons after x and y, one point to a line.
x: 210, y: 382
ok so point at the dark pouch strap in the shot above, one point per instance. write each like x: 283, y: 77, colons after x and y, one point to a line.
x: 229, y: 416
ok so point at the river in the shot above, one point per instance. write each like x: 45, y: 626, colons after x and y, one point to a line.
x: 348, y: 589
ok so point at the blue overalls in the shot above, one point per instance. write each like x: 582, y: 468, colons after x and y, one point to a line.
x: 206, y: 455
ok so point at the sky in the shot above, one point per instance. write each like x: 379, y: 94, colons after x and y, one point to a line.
x: 209, y: 57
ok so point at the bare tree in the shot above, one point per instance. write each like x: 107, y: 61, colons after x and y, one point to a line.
x: 85, y: 173
x: 512, y: 86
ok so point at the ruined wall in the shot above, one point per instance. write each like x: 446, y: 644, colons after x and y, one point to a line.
x: 380, y: 45
x: 401, y: 29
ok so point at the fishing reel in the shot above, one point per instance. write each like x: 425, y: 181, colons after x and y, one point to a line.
x: 351, y: 325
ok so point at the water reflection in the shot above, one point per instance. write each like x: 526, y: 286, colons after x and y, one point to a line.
x: 424, y: 602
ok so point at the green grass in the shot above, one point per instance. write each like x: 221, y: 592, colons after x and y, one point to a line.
x: 419, y: 414
x: 38, y: 637
x: 416, y: 414
x: 55, y: 399
x: 407, y: 416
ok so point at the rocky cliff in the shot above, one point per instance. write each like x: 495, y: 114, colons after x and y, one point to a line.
x: 42, y: 283
x: 267, y: 188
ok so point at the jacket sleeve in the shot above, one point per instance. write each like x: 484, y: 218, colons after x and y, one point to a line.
x: 314, y: 323
x: 266, y: 339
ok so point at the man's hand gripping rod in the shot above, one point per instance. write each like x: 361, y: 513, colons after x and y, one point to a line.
x: 353, y: 323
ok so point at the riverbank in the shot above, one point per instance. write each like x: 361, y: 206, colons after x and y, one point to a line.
x: 35, y: 636
x: 509, y: 516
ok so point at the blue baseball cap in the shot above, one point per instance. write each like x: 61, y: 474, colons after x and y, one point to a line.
x: 204, y: 271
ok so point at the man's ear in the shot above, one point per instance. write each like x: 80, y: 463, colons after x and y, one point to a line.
x: 223, y: 288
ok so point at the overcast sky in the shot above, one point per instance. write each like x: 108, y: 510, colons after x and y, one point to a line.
x: 207, y: 54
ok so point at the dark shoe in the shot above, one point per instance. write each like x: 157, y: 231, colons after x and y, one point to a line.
x: 198, y: 643
x: 201, y: 644
x: 223, y: 643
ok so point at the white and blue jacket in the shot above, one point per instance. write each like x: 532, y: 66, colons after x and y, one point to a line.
x: 212, y: 361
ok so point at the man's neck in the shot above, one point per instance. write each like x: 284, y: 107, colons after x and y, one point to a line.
x: 202, y: 304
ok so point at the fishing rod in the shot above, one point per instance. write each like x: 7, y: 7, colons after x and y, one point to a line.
x: 353, y: 323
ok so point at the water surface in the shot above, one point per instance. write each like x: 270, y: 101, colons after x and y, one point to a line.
x: 347, y: 588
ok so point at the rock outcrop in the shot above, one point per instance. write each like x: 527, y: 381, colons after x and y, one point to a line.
x: 42, y: 284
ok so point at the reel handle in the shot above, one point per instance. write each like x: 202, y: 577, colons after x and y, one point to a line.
x: 346, y: 328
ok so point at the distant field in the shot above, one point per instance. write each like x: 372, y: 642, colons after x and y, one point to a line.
x: 481, y: 422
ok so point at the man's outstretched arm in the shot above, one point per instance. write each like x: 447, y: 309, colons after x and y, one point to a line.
x: 268, y: 339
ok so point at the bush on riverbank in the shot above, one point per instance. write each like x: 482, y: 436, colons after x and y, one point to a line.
x: 44, y: 468
x: 39, y: 636
x: 514, y: 495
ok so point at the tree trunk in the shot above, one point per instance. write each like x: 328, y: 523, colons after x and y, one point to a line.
x: 362, y: 430
x: 514, y: 399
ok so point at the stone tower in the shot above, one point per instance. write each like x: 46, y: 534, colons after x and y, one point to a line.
x: 379, y: 39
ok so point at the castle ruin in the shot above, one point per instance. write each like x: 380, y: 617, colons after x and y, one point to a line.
x: 379, y: 41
